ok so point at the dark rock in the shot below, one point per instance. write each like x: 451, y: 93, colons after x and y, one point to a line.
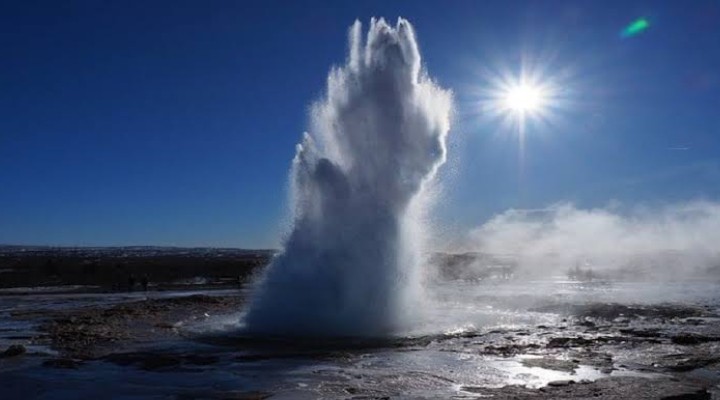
x: 568, y: 342
x: 561, y: 383
x: 692, y: 339
x: 687, y: 362
x: 146, y: 361
x: 13, y: 351
x: 587, y: 323
x: 201, y: 360
x: 472, y: 389
x: 686, y: 339
x: 642, y: 333
x: 699, y: 395
x: 64, y: 363
x: 233, y: 395
x: 158, y: 362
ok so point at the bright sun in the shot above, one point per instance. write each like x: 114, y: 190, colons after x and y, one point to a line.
x: 523, y: 99
x: 527, y: 100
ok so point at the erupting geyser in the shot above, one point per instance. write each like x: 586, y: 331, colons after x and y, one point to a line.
x: 351, y: 263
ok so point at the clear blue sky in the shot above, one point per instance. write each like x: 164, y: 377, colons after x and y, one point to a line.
x: 174, y: 122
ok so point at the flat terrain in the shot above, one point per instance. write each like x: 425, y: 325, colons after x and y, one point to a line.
x: 123, y: 268
x: 534, y: 340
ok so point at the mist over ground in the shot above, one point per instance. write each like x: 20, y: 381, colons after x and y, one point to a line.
x: 669, y: 242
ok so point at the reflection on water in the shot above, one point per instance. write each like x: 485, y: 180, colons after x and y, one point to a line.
x: 442, y: 356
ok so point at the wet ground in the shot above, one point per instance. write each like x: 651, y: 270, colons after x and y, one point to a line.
x: 502, y: 340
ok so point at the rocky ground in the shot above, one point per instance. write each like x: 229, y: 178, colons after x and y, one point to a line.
x: 658, y: 351
x: 644, y: 352
x: 93, y: 332
x: 678, y: 346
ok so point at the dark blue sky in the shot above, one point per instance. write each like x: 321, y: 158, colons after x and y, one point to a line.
x: 174, y: 122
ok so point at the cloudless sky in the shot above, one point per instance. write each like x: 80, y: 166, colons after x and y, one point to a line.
x: 174, y: 122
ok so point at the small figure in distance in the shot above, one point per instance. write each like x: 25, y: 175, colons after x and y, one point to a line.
x: 144, y: 282
x: 131, y: 282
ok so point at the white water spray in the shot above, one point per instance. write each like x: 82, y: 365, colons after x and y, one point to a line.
x: 351, y: 263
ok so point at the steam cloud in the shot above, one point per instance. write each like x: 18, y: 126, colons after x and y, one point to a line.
x: 669, y: 242
x: 350, y: 263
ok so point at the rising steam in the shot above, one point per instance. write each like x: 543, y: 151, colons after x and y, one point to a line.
x: 351, y: 262
x: 669, y: 242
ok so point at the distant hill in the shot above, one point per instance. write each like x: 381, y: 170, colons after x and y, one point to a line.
x: 127, y: 251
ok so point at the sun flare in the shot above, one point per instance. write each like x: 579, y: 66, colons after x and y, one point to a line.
x: 528, y: 101
x: 523, y: 99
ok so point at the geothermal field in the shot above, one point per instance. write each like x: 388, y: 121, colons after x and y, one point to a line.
x: 357, y: 303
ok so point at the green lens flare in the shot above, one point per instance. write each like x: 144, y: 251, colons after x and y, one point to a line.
x: 635, y: 27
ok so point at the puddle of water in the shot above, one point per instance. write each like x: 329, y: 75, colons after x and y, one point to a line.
x: 536, y: 377
x: 441, y: 368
